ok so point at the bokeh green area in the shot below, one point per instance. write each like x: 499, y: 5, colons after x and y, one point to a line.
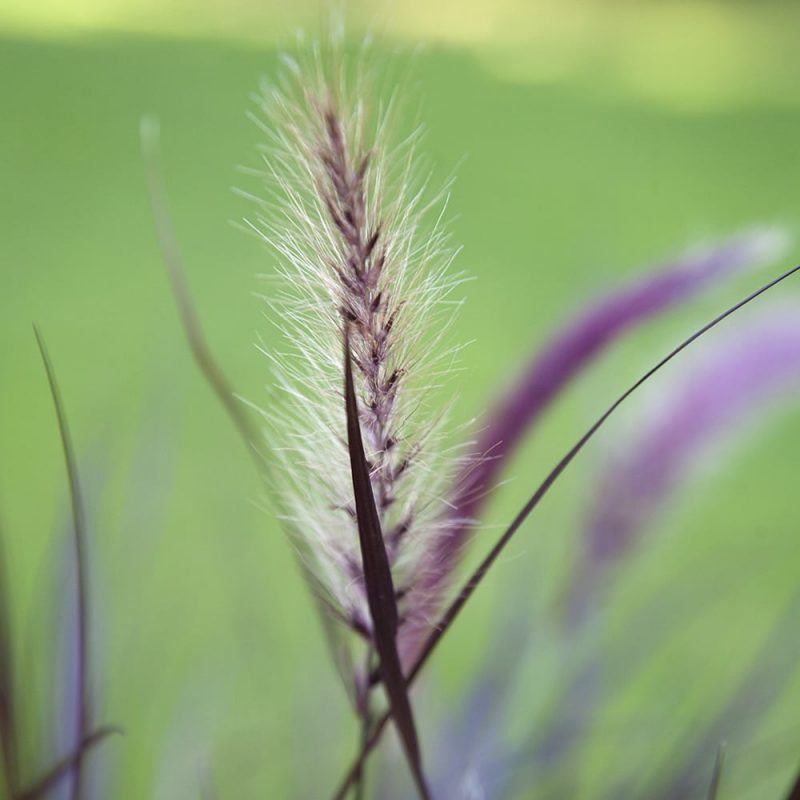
x: 589, y: 141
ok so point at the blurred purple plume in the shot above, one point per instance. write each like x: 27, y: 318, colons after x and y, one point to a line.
x: 726, y: 388
x: 728, y: 385
x: 584, y: 337
x: 562, y: 358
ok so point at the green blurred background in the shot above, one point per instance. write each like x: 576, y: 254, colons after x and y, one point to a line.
x: 590, y: 139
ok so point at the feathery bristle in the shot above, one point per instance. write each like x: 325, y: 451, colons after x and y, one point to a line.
x: 349, y: 221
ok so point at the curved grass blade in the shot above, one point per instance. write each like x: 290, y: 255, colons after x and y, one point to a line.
x: 82, y: 704
x: 44, y: 784
x: 477, y: 576
x: 378, y: 581
x: 581, y: 340
x: 190, y: 322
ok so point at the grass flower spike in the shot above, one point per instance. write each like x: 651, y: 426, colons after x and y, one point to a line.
x: 348, y: 222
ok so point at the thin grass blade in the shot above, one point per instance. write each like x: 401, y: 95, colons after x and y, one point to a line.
x: 477, y: 576
x: 378, y: 581
x: 195, y: 336
x: 82, y: 720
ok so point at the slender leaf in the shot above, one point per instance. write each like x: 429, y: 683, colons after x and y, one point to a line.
x: 378, y: 581
x: 190, y: 322
x: 477, y: 576
x: 83, y: 713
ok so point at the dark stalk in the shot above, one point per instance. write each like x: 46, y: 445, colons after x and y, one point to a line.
x: 477, y: 576
x: 378, y: 582
x: 83, y: 719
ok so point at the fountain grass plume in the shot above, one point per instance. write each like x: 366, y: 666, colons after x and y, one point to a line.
x: 360, y: 245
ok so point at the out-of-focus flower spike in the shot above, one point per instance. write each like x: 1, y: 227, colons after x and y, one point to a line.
x: 727, y: 385
x: 583, y: 338
x: 735, y: 379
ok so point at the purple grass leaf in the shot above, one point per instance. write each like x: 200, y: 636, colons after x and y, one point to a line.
x: 728, y: 385
x: 68, y: 680
x: 584, y: 337
x: 472, y: 761
x: 82, y: 718
x: 559, y: 361
x: 378, y: 582
x: 67, y: 635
